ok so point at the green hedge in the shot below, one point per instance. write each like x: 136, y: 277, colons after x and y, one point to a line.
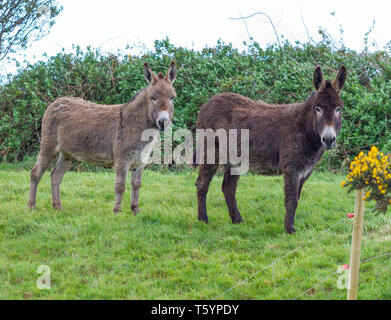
x: 277, y: 74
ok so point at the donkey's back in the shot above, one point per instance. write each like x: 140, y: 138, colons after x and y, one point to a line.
x: 231, y: 111
x: 81, y: 129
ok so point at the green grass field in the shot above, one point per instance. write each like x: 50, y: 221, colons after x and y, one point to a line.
x: 165, y: 253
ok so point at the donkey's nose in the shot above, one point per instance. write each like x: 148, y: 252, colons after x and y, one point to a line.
x: 328, y: 141
x: 163, y: 120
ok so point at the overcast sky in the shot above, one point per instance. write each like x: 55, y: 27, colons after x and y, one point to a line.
x: 111, y: 25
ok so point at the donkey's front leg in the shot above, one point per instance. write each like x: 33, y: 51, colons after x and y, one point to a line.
x: 121, y: 171
x: 136, y: 184
x: 291, y: 200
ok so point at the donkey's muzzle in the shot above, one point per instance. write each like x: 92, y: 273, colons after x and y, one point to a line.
x: 328, y: 137
x: 163, y: 121
x: 328, y: 141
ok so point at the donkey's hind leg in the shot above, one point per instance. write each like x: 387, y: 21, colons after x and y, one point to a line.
x: 205, y: 175
x: 43, y: 161
x: 62, y: 166
x: 136, y: 184
x: 229, y: 189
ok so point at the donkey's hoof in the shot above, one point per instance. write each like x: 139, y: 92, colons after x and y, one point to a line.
x: 290, y: 230
x: 134, y: 209
x: 204, y: 220
x: 117, y: 210
x: 31, y: 205
x: 237, y: 219
x: 57, y: 206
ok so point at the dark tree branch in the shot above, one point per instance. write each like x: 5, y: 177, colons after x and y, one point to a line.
x: 24, y: 21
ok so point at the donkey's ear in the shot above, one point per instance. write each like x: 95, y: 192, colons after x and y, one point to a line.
x: 171, y: 73
x: 318, y: 79
x: 340, y: 79
x: 148, y: 74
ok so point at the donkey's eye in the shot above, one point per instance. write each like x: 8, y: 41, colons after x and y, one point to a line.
x: 153, y: 98
x: 171, y: 98
x: 338, y: 110
x: 318, y: 110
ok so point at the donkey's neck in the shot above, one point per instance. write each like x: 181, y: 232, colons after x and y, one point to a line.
x: 135, y: 114
x: 133, y: 121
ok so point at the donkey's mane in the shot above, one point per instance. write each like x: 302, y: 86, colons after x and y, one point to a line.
x: 137, y: 94
x: 128, y: 107
x: 311, y: 96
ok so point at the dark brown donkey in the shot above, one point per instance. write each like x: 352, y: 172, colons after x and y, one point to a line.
x: 283, y: 139
x: 104, y: 134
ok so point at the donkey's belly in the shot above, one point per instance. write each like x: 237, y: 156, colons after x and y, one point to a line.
x: 95, y: 154
x: 97, y: 159
x: 264, y: 165
x: 85, y: 146
x: 264, y: 169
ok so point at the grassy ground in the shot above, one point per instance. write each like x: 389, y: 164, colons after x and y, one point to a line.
x: 165, y: 253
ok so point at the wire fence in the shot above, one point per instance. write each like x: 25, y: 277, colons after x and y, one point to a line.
x: 271, y: 265
x: 329, y: 276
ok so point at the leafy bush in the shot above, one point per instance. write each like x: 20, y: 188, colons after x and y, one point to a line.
x: 277, y: 74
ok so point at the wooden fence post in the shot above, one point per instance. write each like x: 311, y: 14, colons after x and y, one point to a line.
x: 356, y: 244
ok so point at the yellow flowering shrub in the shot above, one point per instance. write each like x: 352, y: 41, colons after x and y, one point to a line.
x: 372, y: 172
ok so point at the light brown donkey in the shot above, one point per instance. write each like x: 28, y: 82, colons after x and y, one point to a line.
x: 104, y: 134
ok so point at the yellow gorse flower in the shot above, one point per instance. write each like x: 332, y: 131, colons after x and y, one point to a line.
x: 373, y: 172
